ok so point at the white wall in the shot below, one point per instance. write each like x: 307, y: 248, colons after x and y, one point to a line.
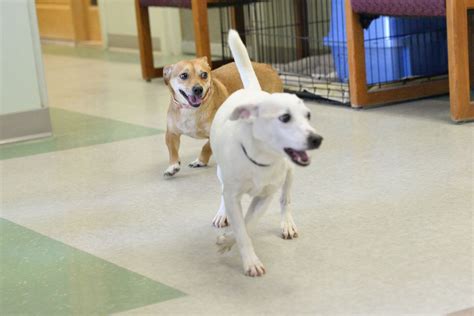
x: 118, y: 21
x: 22, y: 83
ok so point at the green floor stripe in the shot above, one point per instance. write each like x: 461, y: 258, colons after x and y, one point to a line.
x: 42, y: 276
x: 73, y: 130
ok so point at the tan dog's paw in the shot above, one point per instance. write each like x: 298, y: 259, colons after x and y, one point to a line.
x: 197, y: 164
x: 288, y: 229
x: 220, y: 221
x: 225, y: 242
x: 254, y: 268
x: 172, y: 170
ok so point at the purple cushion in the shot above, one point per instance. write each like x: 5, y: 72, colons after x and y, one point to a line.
x: 401, y: 7
x: 166, y: 3
x: 187, y: 3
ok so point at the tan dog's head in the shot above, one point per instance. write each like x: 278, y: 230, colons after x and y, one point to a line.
x: 189, y: 81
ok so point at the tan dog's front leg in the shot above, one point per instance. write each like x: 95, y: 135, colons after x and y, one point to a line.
x: 204, y: 157
x: 172, y: 141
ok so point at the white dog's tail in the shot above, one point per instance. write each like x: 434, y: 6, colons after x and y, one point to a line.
x: 242, y: 60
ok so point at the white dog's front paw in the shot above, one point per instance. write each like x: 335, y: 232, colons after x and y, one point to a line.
x: 197, y: 164
x: 288, y: 229
x: 225, y: 242
x: 172, y: 170
x: 220, y: 220
x: 253, y: 267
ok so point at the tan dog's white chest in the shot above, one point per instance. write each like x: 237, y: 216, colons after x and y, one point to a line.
x: 186, y: 123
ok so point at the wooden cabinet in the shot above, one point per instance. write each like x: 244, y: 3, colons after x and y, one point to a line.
x: 73, y: 20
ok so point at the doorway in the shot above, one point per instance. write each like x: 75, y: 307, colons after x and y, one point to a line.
x: 69, y: 20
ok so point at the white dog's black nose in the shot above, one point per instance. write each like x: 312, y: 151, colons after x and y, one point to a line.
x: 197, y: 90
x: 314, y: 141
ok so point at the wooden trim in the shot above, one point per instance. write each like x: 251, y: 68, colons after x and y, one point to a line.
x: 63, y: 2
x: 74, y: 20
x: 470, y: 42
x: 79, y: 21
x: 462, y: 108
x: 201, y: 29
x: 356, y: 56
x: 301, y: 28
x: 237, y: 18
x: 55, y: 21
x: 158, y: 72
x: 408, y: 92
x: 201, y: 32
x: 93, y: 22
x: 144, y: 41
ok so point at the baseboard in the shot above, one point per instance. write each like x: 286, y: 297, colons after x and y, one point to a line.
x: 188, y: 47
x: 26, y: 125
x: 129, y: 41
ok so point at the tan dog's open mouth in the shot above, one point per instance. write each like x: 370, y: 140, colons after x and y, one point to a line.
x: 193, y: 100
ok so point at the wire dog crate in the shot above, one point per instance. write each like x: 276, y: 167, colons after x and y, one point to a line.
x: 305, y: 40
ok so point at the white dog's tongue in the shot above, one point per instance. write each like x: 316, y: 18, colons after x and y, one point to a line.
x: 299, y: 157
x: 194, y: 100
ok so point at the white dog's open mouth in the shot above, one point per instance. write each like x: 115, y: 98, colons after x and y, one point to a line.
x: 193, y: 100
x: 299, y: 157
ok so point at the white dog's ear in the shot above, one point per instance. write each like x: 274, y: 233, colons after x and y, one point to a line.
x: 244, y: 112
x: 167, y: 73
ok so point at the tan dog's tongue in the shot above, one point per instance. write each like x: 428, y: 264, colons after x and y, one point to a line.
x: 195, y: 99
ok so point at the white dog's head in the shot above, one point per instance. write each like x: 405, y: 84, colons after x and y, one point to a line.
x: 281, y: 121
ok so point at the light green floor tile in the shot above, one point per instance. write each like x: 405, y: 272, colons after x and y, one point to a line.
x: 41, y: 276
x: 73, y: 130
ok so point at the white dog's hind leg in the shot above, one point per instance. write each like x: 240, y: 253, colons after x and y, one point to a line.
x: 252, y: 264
x: 220, y: 220
x: 257, y: 208
x: 288, y: 226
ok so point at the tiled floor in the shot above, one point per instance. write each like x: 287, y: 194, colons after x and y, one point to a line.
x: 73, y: 130
x: 385, y: 212
x: 55, y: 279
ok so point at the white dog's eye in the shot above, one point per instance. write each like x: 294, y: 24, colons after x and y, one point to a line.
x: 285, y: 118
x: 308, y: 116
x: 183, y: 76
x: 204, y: 75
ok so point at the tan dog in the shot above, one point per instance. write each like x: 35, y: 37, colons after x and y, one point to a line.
x: 197, y: 93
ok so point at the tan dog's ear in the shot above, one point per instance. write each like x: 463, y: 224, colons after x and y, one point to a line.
x: 244, y: 112
x: 204, y: 59
x: 167, y: 73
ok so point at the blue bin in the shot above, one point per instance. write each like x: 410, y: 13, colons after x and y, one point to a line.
x: 395, y: 48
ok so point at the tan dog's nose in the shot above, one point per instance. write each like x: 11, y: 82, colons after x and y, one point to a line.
x: 197, y: 90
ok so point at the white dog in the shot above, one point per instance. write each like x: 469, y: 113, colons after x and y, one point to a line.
x: 252, y: 135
